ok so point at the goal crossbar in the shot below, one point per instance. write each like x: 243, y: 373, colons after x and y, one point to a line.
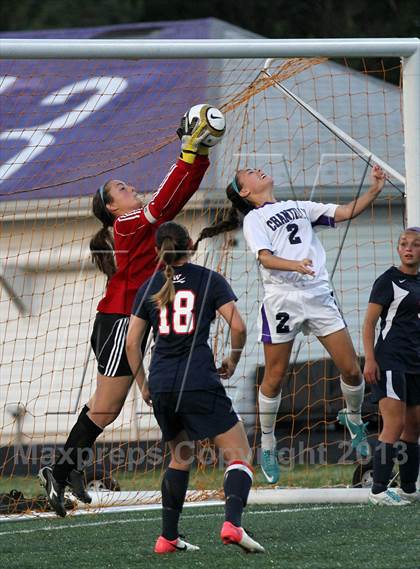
x: 216, y: 48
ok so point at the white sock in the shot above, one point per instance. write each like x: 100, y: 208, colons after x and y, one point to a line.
x: 268, y: 407
x: 353, y: 396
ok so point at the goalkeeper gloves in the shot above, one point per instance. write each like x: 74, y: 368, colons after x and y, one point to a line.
x: 191, y: 137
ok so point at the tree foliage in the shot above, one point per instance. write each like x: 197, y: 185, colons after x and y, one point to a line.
x: 35, y: 15
x: 273, y: 19
x: 269, y: 18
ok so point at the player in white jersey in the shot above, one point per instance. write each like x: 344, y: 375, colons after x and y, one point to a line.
x: 297, y: 295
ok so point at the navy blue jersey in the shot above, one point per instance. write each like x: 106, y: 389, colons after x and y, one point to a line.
x: 182, y: 357
x: 398, y: 344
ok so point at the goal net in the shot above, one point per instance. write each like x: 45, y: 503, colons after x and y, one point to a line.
x: 68, y: 126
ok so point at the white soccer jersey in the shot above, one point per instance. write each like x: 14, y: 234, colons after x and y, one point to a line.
x: 287, y: 229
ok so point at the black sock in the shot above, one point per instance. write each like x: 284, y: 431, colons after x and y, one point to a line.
x: 82, y: 436
x: 174, y: 488
x: 383, y: 463
x: 409, y: 466
x: 237, y: 484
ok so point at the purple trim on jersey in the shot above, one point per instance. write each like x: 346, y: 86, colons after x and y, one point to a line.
x: 264, y: 204
x: 266, y: 335
x: 324, y: 220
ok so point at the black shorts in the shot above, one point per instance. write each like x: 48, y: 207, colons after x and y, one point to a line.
x: 397, y: 385
x: 202, y: 414
x: 108, y: 342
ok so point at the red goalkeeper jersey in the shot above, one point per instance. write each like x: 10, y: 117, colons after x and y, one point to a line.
x: 134, y: 234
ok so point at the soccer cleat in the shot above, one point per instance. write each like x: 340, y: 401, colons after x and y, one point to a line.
x: 413, y: 497
x: 357, y: 432
x: 231, y: 534
x: 387, y: 498
x: 77, y: 486
x: 270, y: 465
x: 54, y: 490
x: 164, y: 545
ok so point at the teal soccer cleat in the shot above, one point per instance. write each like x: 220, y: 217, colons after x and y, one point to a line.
x: 413, y: 498
x: 387, y: 498
x: 358, y: 433
x: 270, y: 465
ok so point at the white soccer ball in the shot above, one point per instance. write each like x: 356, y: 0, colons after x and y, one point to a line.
x: 215, y: 120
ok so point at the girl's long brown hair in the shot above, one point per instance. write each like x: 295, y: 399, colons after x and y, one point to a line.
x: 102, y: 243
x: 173, y: 242
x: 231, y: 218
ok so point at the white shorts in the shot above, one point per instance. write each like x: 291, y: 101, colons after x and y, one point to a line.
x: 284, y: 314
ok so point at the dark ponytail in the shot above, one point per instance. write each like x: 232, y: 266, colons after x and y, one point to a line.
x: 102, y: 243
x: 230, y: 219
x: 173, y: 242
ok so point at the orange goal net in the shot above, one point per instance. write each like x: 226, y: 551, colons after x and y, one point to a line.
x: 68, y: 126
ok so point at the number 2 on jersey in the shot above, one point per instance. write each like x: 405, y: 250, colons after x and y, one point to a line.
x: 292, y: 228
x: 183, y: 318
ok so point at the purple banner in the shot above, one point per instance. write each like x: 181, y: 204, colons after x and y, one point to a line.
x: 67, y: 126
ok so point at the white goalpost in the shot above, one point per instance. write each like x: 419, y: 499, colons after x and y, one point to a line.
x: 15, y: 281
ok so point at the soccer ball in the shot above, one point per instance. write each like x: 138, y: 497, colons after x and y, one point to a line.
x: 215, y: 121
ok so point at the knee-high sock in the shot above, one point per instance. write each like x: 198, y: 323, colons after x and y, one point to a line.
x: 353, y: 396
x: 383, y: 463
x: 409, y: 466
x: 236, y: 485
x: 81, y: 438
x: 174, y: 488
x: 268, y: 408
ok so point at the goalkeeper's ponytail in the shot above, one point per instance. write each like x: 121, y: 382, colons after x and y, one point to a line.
x: 231, y: 218
x: 102, y: 243
x: 174, y: 243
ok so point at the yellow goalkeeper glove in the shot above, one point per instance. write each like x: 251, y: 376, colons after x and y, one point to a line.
x: 191, y: 137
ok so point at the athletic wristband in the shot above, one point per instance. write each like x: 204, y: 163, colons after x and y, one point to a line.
x: 188, y: 156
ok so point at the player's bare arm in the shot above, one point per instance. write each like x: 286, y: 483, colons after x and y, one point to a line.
x: 356, y: 207
x: 270, y: 261
x: 232, y: 316
x: 136, y: 331
x: 371, y: 370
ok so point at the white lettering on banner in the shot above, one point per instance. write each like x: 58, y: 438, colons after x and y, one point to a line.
x: 6, y: 81
x: 38, y: 138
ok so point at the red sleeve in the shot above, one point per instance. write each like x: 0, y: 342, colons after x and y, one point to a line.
x: 180, y: 183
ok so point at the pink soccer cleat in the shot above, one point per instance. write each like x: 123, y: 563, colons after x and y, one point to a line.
x: 164, y: 545
x: 238, y: 536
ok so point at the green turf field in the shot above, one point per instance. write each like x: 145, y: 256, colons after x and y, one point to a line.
x: 295, y: 537
x: 299, y: 476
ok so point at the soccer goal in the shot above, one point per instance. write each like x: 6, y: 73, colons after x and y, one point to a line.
x: 314, y: 114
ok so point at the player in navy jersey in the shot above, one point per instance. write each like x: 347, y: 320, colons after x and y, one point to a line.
x: 127, y: 257
x: 297, y: 294
x: 392, y: 367
x: 184, y: 387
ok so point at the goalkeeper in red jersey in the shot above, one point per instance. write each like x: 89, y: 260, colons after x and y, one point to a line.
x: 127, y: 256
